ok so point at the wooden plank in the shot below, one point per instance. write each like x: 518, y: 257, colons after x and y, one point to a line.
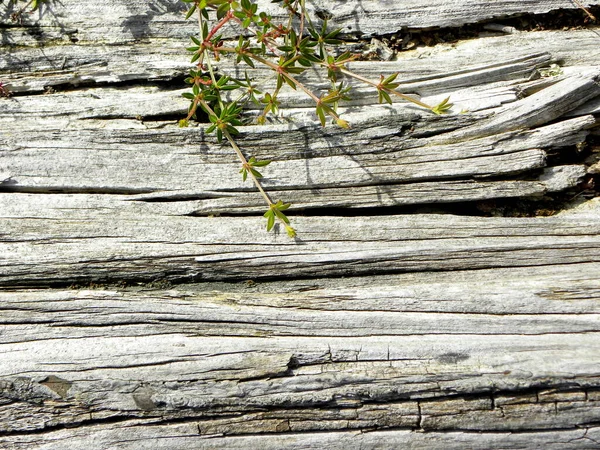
x: 537, y: 109
x: 371, y: 153
x: 118, y: 21
x: 389, y: 15
x: 29, y: 67
x: 475, y: 351
x: 184, y: 436
x: 90, y: 103
x: 356, y: 197
x: 368, y: 330
x: 429, y: 352
x: 83, y: 240
x: 524, y: 301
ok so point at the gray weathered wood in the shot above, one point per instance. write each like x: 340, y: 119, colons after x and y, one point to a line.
x: 116, y: 21
x: 371, y: 154
x: 264, y: 358
x: 165, y: 58
x: 135, y: 314
x: 103, y: 238
x: 183, y: 436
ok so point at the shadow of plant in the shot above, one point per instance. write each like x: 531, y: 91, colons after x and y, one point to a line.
x: 138, y: 24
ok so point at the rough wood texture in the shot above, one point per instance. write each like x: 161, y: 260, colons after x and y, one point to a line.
x: 493, y: 351
x: 135, y: 313
x: 100, y: 238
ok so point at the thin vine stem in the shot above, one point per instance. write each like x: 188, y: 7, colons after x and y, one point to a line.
x: 377, y: 85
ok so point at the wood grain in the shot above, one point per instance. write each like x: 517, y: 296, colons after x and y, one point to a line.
x: 98, y: 238
x: 137, y: 313
x: 476, y: 351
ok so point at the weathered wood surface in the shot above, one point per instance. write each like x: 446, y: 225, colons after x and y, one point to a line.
x: 125, y: 321
x: 74, y: 238
x: 474, y: 351
x: 72, y: 44
x: 407, y: 156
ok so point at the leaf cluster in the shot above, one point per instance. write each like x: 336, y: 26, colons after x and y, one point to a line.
x: 250, y: 167
x: 276, y: 211
x: 288, y: 49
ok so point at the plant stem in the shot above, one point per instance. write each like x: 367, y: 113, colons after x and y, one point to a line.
x: 216, y: 28
x: 204, y: 53
x: 376, y: 85
x: 308, y: 92
x: 240, y: 156
x: 294, y: 80
x: 226, y: 133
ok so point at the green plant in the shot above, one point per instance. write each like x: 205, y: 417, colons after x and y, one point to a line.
x: 288, y: 49
x: 551, y: 71
x: 30, y: 5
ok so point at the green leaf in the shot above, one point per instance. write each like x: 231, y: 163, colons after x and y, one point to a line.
x: 282, y: 216
x: 191, y: 11
x: 290, y: 82
x: 270, y: 216
x: 282, y: 206
x: 248, y: 61
x: 384, y: 96
x: 321, y: 115
x: 222, y: 10
x: 389, y: 79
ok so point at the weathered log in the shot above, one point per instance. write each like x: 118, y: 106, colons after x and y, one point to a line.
x: 133, y: 316
x: 115, y: 21
x: 504, y: 345
x: 371, y: 154
x: 183, y: 436
x: 102, y: 238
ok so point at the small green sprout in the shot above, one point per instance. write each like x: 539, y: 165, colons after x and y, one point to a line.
x: 385, y: 85
x: 443, y: 107
x: 550, y: 71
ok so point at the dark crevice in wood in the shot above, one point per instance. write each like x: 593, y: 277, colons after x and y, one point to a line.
x: 175, y: 82
x: 185, y: 276
x: 86, y: 423
x: 10, y: 186
x: 505, y: 207
x: 410, y: 39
